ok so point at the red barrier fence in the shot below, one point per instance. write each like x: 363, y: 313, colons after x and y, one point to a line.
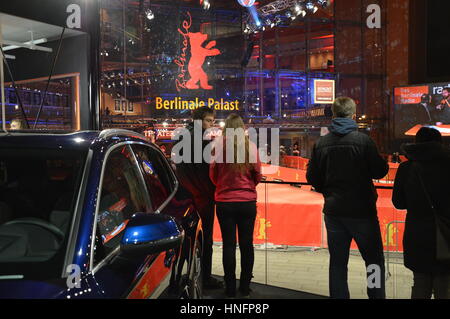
x: 300, y: 163
x: 294, y: 162
x: 292, y: 216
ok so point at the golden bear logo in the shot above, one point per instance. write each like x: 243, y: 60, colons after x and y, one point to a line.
x: 391, y: 240
x: 261, y: 227
x: 198, y: 56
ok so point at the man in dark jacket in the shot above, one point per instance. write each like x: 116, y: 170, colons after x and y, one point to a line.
x: 431, y: 160
x: 194, y: 176
x: 342, y: 168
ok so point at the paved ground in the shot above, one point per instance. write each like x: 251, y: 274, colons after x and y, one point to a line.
x: 307, y: 271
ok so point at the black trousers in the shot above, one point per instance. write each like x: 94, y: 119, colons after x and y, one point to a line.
x: 240, y: 216
x: 205, y: 206
x: 367, y: 234
x: 426, y: 285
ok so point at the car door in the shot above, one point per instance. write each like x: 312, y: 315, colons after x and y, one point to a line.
x: 122, y: 194
x: 168, y: 199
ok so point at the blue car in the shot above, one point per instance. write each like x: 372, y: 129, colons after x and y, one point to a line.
x: 94, y: 215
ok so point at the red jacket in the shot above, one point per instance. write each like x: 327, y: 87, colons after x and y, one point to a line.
x: 232, y: 186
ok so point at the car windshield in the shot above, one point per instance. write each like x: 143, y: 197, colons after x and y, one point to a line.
x: 38, y: 191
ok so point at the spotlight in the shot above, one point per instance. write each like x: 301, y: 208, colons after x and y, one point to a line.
x: 322, y: 3
x: 298, y: 8
x: 247, y: 3
x: 277, y: 20
x: 149, y: 14
x: 206, y: 5
x: 310, y: 6
x: 315, y: 9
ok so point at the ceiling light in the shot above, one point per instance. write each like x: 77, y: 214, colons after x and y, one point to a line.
x: 149, y: 14
x: 310, y: 6
x: 323, y: 3
x: 206, y: 5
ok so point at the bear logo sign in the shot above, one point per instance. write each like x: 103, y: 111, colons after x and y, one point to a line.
x: 194, y: 77
x: 198, y: 56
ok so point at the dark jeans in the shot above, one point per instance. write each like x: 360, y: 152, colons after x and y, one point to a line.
x: 205, y: 207
x: 241, y: 216
x: 367, y: 234
x: 426, y: 285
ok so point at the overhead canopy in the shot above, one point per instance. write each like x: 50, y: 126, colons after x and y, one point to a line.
x: 20, y: 32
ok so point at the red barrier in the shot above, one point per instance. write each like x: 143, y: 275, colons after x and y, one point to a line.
x: 295, y: 162
x: 294, y: 170
x: 292, y: 216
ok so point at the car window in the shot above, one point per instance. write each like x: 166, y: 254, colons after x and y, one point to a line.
x: 38, y: 192
x: 122, y: 195
x: 157, y: 175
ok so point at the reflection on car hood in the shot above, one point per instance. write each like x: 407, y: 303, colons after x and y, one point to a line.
x: 28, y: 289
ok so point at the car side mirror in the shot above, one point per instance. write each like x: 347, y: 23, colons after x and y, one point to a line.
x: 148, y: 233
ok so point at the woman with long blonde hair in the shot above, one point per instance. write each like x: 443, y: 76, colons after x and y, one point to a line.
x: 236, y: 171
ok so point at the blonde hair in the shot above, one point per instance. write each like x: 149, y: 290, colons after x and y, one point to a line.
x: 344, y: 107
x: 233, y: 126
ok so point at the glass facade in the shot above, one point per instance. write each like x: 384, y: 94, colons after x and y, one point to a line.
x: 271, y: 73
x: 161, y: 59
x: 146, y: 59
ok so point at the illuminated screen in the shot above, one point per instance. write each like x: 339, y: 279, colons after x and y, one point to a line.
x: 422, y: 105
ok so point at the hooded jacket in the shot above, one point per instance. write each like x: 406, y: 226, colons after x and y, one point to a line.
x: 342, y: 168
x: 432, y: 161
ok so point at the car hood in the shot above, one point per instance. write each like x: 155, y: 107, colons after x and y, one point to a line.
x: 29, y: 289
